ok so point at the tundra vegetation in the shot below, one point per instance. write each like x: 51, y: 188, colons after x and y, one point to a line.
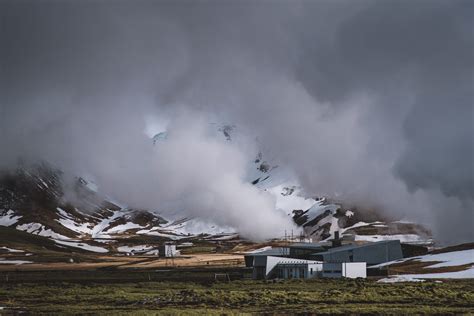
x: 322, y: 296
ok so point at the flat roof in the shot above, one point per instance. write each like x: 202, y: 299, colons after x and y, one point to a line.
x: 280, y: 251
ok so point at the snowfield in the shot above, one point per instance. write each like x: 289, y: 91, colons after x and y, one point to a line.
x: 449, y: 259
x: 446, y: 259
x: 466, y: 274
x: 440, y: 260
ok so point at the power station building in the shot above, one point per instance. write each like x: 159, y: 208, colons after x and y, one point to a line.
x: 321, y: 260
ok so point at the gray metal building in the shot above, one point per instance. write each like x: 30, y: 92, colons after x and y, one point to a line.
x: 304, y: 250
x: 371, y: 253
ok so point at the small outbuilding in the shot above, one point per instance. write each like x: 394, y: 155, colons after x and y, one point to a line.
x: 167, y: 250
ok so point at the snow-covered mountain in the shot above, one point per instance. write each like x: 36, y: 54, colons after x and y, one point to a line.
x: 33, y: 200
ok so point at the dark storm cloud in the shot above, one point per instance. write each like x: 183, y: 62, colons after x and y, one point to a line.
x: 368, y: 101
x: 429, y: 44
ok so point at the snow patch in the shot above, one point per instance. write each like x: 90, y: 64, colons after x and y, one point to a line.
x: 139, y: 248
x: 400, y: 278
x: 9, y: 218
x: 152, y: 252
x: 67, y: 221
x: 11, y: 249
x: 97, y: 231
x: 288, y: 198
x: 15, y: 262
x: 404, y: 238
x: 38, y: 229
x: 82, y: 246
x: 123, y: 228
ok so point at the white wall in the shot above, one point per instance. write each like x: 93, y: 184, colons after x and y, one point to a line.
x: 271, y: 263
x: 345, y: 269
x: 354, y: 269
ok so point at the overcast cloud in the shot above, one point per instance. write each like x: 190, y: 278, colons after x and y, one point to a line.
x: 370, y: 102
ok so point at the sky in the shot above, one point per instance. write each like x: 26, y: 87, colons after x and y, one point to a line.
x: 369, y: 102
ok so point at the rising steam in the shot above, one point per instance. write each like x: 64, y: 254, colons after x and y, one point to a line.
x: 368, y: 101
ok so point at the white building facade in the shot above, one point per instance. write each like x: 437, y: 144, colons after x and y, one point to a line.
x: 344, y: 270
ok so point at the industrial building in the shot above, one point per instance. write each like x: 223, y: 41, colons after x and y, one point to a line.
x: 309, y: 260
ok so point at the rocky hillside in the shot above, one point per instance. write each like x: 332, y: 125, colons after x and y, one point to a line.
x: 32, y: 200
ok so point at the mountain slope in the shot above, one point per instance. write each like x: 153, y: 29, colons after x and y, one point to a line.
x: 450, y: 262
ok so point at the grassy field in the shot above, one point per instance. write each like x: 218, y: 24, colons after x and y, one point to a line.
x: 115, y: 284
x: 322, y: 296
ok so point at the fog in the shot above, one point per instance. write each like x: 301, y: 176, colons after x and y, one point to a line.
x: 369, y: 102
